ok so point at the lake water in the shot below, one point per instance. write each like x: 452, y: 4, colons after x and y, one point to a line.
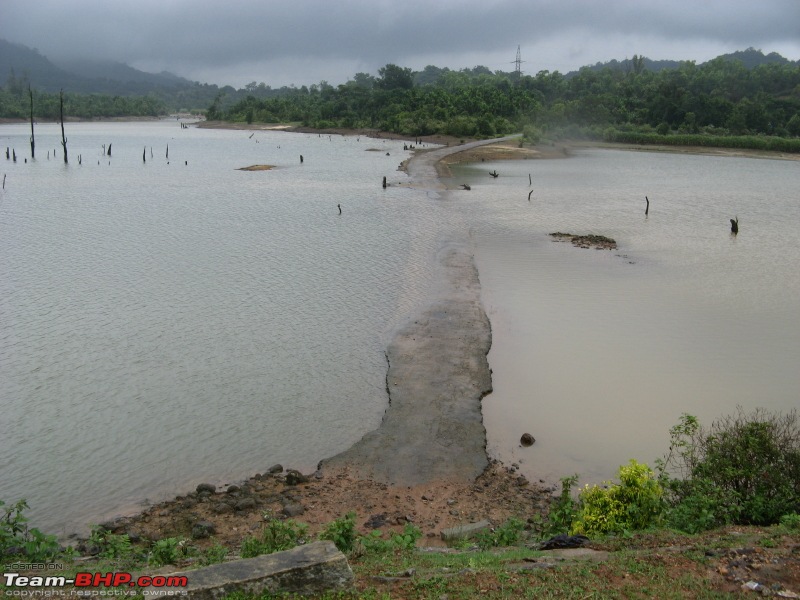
x: 170, y: 322
x: 174, y: 321
x: 598, y: 353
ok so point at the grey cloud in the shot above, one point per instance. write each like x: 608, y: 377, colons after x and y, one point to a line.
x: 195, y: 35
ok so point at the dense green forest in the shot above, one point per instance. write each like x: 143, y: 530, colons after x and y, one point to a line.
x: 15, y: 103
x: 719, y: 99
x: 743, y: 99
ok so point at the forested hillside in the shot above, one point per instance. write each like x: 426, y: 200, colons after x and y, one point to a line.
x: 721, y: 98
x: 742, y: 99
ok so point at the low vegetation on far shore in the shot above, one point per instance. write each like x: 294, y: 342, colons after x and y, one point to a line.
x: 722, y: 505
x: 720, y: 103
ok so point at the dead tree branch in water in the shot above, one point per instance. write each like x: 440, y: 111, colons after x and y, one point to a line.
x: 63, y: 137
x: 33, y: 141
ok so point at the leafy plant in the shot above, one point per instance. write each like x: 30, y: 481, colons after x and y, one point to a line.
x: 111, y: 545
x: 507, y: 534
x: 791, y: 521
x: 564, y: 509
x: 213, y: 555
x: 167, y: 551
x: 341, y: 532
x: 16, y: 538
x: 406, y: 540
x: 744, y: 469
x: 634, y: 503
x: 276, y: 535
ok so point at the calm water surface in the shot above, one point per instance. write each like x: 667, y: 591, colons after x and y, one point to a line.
x: 169, y: 322
x: 598, y: 353
x: 173, y: 321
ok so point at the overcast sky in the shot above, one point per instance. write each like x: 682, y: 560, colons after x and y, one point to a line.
x: 234, y: 42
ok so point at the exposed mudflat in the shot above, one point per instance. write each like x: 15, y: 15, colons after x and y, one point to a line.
x: 438, y: 373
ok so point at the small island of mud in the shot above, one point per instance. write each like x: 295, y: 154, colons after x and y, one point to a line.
x: 598, y: 242
x: 257, y: 168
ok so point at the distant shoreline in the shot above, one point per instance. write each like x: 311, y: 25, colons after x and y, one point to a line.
x: 560, y: 149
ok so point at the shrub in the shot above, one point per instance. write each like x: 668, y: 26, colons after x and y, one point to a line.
x: 744, y: 469
x: 111, y: 545
x: 213, y: 555
x: 373, y: 542
x: 276, y: 536
x: 507, y: 534
x: 634, y: 503
x: 167, y: 552
x: 17, y: 539
x: 341, y: 532
x: 791, y: 521
x: 564, y: 509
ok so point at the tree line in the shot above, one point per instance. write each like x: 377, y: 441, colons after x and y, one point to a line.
x: 15, y: 104
x: 720, y: 98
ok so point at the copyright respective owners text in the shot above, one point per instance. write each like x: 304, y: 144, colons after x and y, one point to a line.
x: 45, y: 580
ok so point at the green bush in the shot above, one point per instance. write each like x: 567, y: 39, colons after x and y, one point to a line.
x: 563, y: 511
x: 167, y: 552
x: 507, y: 534
x: 791, y: 521
x: 341, y: 532
x: 276, y: 536
x: 634, y: 503
x: 17, y: 539
x: 213, y: 555
x: 373, y: 542
x: 744, y: 469
x: 111, y: 545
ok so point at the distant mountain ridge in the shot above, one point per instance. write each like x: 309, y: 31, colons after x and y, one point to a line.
x: 81, y: 76
x: 88, y: 76
x: 749, y: 58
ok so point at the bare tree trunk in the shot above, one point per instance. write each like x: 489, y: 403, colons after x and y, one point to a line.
x: 33, y: 142
x: 63, y: 137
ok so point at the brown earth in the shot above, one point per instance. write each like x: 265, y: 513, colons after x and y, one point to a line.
x: 498, y: 493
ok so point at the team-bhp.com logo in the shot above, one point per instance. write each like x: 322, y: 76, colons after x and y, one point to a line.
x: 89, y: 584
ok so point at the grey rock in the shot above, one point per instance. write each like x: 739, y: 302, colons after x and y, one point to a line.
x: 207, y: 488
x: 203, y: 529
x: 245, y: 504
x: 310, y: 570
x: 294, y: 477
x: 464, y: 531
x: 376, y: 521
x: 293, y: 510
x: 221, y: 508
x: 275, y: 469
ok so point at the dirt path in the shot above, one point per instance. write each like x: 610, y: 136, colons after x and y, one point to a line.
x: 426, y: 464
x: 438, y: 374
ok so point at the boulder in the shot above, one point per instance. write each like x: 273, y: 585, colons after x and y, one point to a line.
x: 465, y: 531
x: 293, y: 510
x: 203, y: 529
x: 311, y: 570
x: 294, y: 477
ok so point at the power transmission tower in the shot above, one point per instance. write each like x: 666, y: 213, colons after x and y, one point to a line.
x: 518, y: 64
